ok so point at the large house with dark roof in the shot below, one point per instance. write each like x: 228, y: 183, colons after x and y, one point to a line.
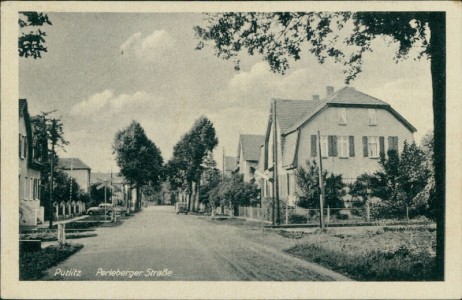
x: 30, y: 211
x: 354, y: 129
x: 248, y: 154
x: 77, y: 169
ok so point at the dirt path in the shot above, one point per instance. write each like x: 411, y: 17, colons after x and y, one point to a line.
x: 189, y: 247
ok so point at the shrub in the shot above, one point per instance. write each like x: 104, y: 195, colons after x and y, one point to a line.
x: 387, y: 210
x: 33, y: 264
x: 297, y: 219
x: 397, y: 265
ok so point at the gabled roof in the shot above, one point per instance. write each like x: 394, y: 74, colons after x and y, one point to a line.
x: 75, y: 163
x: 230, y: 163
x: 22, y: 104
x: 348, y: 96
x: 292, y: 114
x: 24, y: 113
x: 250, y: 145
x: 288, y: 112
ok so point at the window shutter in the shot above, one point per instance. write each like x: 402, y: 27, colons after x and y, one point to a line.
x: 20, y: 145
x: 351, y: 143
x: 393, y: 143
x: 334, y: 146
x: 365, y: 146
x: 330, y: 141
x: 314, y: 145
x: 382, y: 145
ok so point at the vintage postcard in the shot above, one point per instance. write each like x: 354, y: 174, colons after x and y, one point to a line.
x: 231, y: 150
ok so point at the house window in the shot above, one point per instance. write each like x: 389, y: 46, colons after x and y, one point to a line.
x: 26, y: 182
x: 372, y: 116
x: 343, y: 146
x: 324, y: 146
x: 31, y: 188
x: 22, y: 145
x: 373, y: 146
x: 24, y: 142
x: 342, y: 118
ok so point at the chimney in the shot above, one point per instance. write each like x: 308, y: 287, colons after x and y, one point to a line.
x: 316, y: 97
x: 330, y: 90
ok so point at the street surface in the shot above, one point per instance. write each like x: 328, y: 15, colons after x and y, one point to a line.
x: 157, y: 244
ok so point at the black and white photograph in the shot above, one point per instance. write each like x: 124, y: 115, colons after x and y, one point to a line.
x: 240, y: 144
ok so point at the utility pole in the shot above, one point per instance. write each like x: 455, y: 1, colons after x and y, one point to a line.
x: 321, y: 184
x: 53, y: 142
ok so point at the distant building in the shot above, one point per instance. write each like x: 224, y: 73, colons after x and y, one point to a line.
x: 248, y: 154
x: 77, y: 169
x: 355, y: 129
x: 117, y: 182
x: 30, y: 211
x: 230, y: 165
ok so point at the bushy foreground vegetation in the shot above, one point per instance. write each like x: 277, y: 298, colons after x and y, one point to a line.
x: 403, y: 187
x: 33, y: 264
x: 382, y: 255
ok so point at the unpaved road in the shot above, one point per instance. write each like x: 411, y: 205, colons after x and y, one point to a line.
x: 183, y: 248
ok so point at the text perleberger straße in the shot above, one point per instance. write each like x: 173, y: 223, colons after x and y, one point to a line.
x: 116, y: 273
x: 132, y: 273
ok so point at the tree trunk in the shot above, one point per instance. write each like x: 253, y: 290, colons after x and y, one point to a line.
x: 437, y: 24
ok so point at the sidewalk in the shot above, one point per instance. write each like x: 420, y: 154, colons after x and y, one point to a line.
x: 46, y: 223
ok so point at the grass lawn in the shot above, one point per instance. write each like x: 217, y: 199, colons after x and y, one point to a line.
x: 385, y: 254
x: 33, y: 264
x: 366, y: 253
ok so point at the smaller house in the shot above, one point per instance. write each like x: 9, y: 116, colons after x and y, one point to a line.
x: 30, y: 211
x: 230, y: 165
x: 116, y: 181
x: 77, y: 169
x: 248, y: 154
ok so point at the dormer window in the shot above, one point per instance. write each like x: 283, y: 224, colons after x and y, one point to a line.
x: 372, y: 116
x: 342, y: 117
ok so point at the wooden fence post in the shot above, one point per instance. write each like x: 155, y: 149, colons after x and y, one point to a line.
x: 61, y: 234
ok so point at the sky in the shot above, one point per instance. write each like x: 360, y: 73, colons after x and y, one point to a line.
x: 103, y: 70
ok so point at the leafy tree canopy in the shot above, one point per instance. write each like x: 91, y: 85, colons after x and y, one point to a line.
x: 308, y: 181
x: 31, y: 43
x: 47, y: 131
x: 139, y: 159
x: 189, y: 153
x: 280, y: 36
